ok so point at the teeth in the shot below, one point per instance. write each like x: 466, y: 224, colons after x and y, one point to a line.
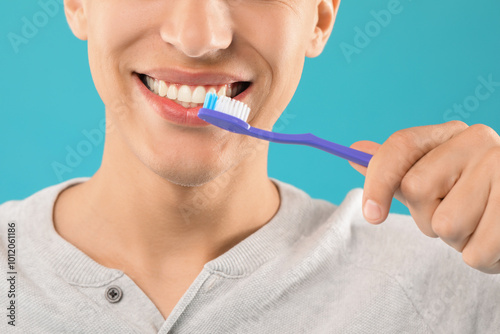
x: 162, y: 89
x: 172, y: 92
x: 185, y: 94
x: 199, y: 95
x: 189, y: 96
x: 155, y: 86
x: 222, y: 91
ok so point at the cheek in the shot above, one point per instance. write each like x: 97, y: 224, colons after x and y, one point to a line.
x: 112, y: 33
x: 278, y: 40
x: 118, y: 23
x: 278, y: 34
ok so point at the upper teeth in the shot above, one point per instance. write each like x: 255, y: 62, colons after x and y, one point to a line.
x: 185, y: 94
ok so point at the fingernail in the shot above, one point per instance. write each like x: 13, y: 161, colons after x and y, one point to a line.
x: 372, y: 211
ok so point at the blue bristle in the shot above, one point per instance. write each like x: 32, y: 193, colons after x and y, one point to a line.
x: 210, y: 101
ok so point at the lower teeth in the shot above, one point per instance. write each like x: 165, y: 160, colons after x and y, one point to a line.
x: 187, y: 104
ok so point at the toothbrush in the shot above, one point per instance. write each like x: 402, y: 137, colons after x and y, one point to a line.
x: 232, y: 115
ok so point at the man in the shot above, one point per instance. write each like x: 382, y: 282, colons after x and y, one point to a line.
x: 134, y: 250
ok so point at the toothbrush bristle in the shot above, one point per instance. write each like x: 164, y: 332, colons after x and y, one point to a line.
x: 227, y: 105
x: 210, y: 100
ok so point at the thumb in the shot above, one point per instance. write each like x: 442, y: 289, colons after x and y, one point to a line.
x: 367, y: 147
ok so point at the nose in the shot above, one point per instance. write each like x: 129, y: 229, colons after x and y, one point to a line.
x: 197, y: 27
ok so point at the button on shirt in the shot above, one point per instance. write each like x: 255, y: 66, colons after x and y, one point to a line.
x: 314, y: 268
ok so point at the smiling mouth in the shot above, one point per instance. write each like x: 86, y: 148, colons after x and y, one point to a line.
x: 190, y: 96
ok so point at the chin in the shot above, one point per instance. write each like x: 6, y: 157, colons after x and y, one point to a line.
x: 186, y: 157
x: 189, y: 175
x: 190, y: 167
x: 189, y: 180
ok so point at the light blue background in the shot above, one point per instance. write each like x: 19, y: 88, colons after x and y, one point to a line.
x: 426, y: 59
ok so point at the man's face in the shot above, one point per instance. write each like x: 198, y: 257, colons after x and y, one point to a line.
x: 255, y: 47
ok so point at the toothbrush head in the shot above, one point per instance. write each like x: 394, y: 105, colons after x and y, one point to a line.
x: 225, y: 113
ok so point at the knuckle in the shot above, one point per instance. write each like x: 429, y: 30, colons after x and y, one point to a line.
x: 402, y: 138
x: 475, y: 259
x: 484, y: 132
x: 404, y: 144
x: 492, y: 158
x: 414, y: 186
x: 445, y: 227
x: 458, y: 124
x: 426, y: 229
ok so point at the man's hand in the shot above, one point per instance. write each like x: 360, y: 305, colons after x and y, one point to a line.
x: 448, y: 175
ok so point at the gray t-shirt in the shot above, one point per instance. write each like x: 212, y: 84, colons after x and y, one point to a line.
x: 314, y: 268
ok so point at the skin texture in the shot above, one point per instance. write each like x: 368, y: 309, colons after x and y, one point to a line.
x: 169, y: 198
x: 448, y: 177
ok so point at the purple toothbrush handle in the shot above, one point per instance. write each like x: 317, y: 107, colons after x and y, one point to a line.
x: 308, y: 139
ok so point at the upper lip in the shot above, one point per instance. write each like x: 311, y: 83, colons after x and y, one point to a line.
x: 194, y: 78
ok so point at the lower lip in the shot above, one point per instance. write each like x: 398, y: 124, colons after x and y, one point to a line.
x: 175, y: 113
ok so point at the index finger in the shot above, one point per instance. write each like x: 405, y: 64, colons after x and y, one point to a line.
x: 394, y: 159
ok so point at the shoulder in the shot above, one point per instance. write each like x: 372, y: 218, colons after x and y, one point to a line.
x: 35, y: 208
x: 429, y: 273
x: 49, y: 192
x: 299, y: 203
x: 433, y: 275
x: 9, y: 210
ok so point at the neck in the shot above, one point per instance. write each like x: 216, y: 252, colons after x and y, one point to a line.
x: 128, y: 211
